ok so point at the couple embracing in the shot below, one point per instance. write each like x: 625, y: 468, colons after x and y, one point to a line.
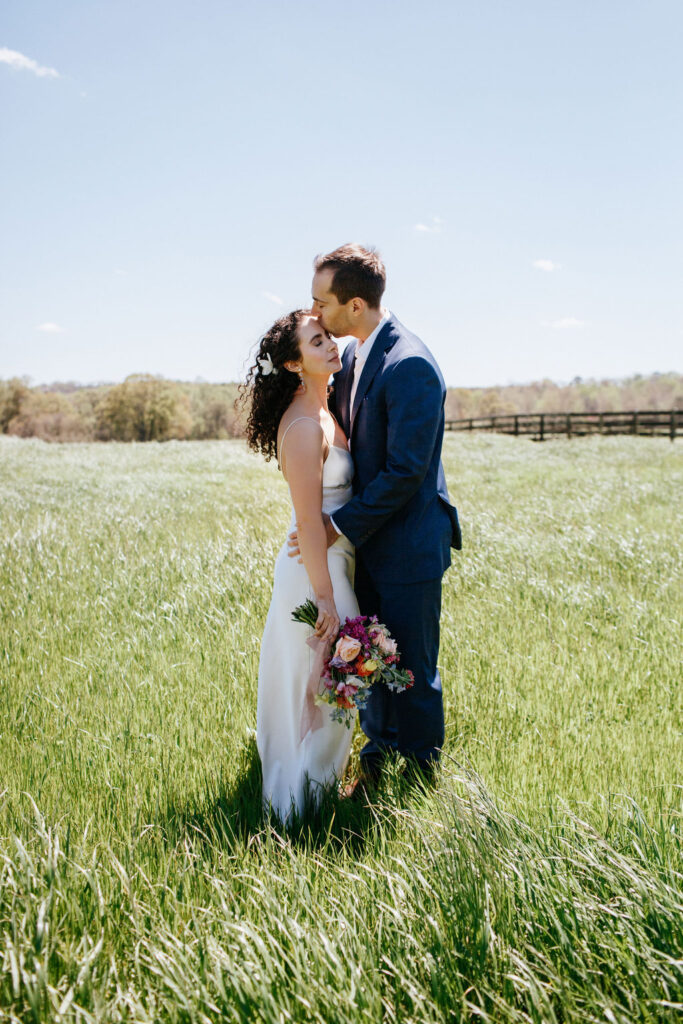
x: 372, y: 525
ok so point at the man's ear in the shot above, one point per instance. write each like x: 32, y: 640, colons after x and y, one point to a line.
x: 357, y: 306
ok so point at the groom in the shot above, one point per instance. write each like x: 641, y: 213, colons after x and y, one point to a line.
x: 389, y: 399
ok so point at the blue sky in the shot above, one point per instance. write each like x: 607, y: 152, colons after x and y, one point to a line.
x: 170, y: 169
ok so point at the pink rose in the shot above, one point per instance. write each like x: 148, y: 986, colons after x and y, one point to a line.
x: 385, y: 644
x: 347, y: 648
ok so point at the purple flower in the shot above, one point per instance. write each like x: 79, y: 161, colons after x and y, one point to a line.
x: 340, y: 665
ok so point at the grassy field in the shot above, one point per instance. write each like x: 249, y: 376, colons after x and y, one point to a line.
x: 540, y: 881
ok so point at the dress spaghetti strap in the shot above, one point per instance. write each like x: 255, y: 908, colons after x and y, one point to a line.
x: 287, y: 429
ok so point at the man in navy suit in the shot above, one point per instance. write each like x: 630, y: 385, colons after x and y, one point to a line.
x: 389, y: 399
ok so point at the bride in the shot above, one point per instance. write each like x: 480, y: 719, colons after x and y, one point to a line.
x: 302, y: 750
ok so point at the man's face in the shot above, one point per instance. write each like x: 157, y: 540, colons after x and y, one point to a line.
x: 334, y: 317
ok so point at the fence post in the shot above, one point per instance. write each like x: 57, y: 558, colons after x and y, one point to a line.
x: 662, y: 423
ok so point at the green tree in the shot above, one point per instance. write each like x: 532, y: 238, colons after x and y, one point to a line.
x: 143, y: 408
x: 12, y: 394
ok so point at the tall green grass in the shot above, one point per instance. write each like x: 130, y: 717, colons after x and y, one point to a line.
x: 540, y: 880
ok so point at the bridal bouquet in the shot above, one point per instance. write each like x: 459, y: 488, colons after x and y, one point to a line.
x: 364, y: 653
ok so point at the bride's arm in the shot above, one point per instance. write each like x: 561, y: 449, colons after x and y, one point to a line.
x: 304, y: 473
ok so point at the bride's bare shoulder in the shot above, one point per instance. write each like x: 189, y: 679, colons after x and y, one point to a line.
x: 300, y: 423
x: 302, y: 434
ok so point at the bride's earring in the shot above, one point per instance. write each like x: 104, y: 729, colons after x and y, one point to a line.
x: 302, y: 383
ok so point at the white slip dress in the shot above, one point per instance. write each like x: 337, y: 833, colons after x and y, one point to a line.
x: 298, y: 765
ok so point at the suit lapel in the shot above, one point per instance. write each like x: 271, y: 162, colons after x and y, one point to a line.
x: 382, y: 343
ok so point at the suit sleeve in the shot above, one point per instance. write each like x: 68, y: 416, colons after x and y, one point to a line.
x: 414, y: 402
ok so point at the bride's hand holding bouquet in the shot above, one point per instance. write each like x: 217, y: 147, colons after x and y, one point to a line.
x: 361, y: 654
x: 326, y: 625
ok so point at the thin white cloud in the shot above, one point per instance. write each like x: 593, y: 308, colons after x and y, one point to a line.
x: 547, y: 265
x: 273, y: 298
x: 20, y: 62
x: 432, y: 228
x: 564, y: 324
x: 50, y: 328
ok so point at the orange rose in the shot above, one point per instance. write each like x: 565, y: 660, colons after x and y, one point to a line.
x: 347, y: 648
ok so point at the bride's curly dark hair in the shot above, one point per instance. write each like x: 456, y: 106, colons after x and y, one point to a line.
x: 265, y: 396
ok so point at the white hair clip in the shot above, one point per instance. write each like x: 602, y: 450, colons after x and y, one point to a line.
x: 266, y: 365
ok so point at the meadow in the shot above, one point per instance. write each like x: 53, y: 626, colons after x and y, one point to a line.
x: 540, y: 881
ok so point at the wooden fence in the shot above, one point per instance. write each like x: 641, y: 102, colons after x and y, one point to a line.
x: 541, y: 425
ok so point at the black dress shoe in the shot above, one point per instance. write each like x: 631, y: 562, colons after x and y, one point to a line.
x: 421, y: 773
x: 371, y: 769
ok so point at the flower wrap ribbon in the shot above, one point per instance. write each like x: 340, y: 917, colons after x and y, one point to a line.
x: 312, y: 713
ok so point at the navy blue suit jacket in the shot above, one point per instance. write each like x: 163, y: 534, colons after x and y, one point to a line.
x: 400, y: 518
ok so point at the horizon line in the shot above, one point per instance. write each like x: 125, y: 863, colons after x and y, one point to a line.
x: 575, y: 381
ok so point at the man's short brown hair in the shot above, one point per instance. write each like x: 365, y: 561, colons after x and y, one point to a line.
x: 356, y: 273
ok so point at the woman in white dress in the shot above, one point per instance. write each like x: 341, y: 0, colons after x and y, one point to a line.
x: 303, y: 752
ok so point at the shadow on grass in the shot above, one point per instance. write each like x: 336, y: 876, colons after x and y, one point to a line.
x: 232, y: 813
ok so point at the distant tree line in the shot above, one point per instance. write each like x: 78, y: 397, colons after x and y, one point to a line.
x: 656, y: 392
x: 148, y: 408
x: 142, y: 408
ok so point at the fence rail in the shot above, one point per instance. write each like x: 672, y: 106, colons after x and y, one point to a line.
x: 538, y: 426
